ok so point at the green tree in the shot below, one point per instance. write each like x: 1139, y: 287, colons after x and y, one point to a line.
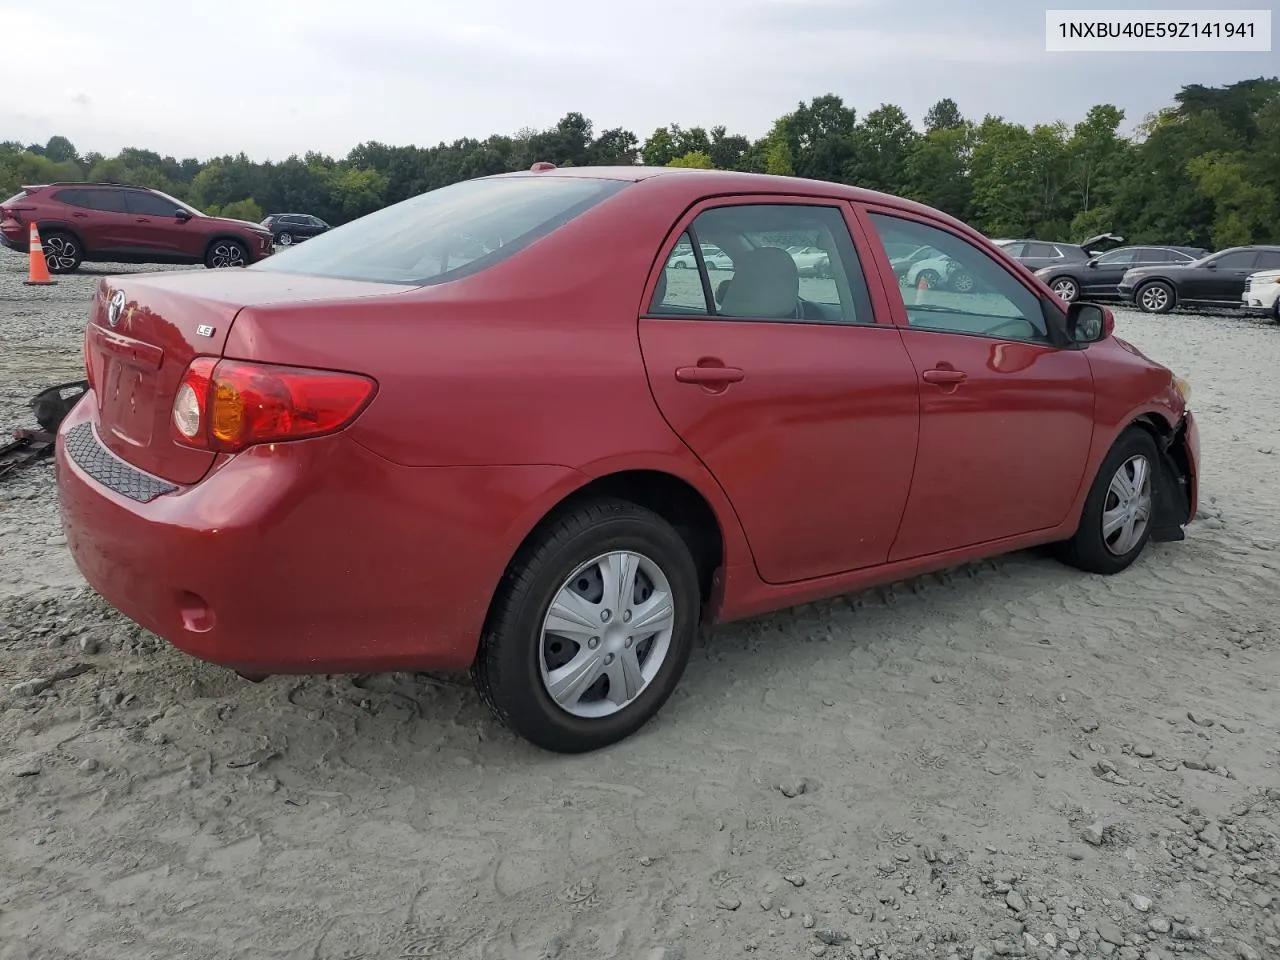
x: 693, y: 158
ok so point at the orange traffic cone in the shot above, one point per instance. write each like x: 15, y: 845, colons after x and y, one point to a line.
x: 923, y: 283
x: 37, y: 269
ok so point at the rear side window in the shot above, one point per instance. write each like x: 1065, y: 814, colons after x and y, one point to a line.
x: 444, y: 234
x: 1268, y: 260
x: 108, y: 201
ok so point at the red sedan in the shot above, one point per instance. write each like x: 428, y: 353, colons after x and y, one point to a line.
x: 490, y: 427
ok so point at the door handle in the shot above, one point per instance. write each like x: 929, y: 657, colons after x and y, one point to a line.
x: 143, y: 220
x: 709, y: 374
x: 944, y: 376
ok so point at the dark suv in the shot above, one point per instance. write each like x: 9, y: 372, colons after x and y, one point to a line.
x: 1215, y: 281
x: 107, y: 222
x: 288, y: 228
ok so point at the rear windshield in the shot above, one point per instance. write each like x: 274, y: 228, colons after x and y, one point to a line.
x: 444, y: 234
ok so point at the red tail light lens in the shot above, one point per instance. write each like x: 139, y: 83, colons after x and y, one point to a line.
x: 227, y: 405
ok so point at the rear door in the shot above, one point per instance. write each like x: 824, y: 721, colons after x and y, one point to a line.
x: 1006, y: 417
x: 98, y: 215
x: 796, y: 393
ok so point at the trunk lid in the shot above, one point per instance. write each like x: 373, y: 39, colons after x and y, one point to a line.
x: 144, y: 331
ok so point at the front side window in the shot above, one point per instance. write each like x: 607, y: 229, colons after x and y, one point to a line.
x: 151, y: 205
x: 1240, y: 259
x: 975, y: 295
x: 767, y: 261
x: 444, y: 234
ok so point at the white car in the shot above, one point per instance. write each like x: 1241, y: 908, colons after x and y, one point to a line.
x: 811, y: 261
x: 716, y: 259
x: 1261, y: 297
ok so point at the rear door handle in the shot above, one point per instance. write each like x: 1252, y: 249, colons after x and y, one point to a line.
x: 709, y: 374
x: 944, y: 376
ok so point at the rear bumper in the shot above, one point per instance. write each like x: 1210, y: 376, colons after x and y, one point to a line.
x: 309, y: 557
x: 16, y: 244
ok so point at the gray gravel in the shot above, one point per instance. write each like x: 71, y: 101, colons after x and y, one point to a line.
x: 1009, y: 760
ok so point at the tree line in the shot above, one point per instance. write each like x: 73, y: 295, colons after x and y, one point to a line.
x: 1204, y: 171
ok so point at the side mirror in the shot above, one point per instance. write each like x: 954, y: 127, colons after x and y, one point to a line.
x: 1089, y: 323
x: 181, y: 215
x: 1093, y: 262
x: 1211, y: 265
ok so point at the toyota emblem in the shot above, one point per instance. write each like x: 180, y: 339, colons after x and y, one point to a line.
x: 115, y: 308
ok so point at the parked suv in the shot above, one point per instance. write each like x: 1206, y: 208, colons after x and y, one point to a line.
x: 1261, y: 297
x: 1037, y: 254
x: 1213, y: 281
x: 288, y: 228
x: 1099, y: 276
x: 107, y: 222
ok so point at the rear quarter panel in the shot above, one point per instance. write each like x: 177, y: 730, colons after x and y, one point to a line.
x: 535, y: 360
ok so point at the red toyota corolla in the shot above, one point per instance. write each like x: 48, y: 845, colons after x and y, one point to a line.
x: 490, y: 427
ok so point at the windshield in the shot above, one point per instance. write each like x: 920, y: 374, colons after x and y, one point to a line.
x: 444, y: 234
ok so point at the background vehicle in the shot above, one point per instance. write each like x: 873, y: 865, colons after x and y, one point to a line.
x: 1213, y: 281
x: 551, y: 462
x: 107, y: 222
x: 289, y: 228
x: 1038, y: 254
x: 811, y: 261
x: 1261, y: 296
x: 716, y: 259
x: 1098, y: 277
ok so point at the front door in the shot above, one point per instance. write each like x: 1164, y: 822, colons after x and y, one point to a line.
x: 156, y: 228
x: 1006, y: 417
x: 795, y: 392
x: 1104, y: 276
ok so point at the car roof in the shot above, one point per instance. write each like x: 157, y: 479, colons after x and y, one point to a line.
x: 701, y: 183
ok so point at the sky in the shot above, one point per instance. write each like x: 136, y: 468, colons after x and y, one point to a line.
x: 277, y: 77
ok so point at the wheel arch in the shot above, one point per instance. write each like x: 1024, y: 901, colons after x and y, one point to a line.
x: 57, y: 226
x: 1172, y: 507
x: 225, y: 235
x: 1165, y: 281
x: 707, y: 532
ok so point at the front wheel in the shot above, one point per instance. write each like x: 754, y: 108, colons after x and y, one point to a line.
x: 285, y: 239
x: 1115, y: 524
x: 226, y: 253
x: 1155, y: 297
x: 591, y: 628
x: 1066, y: 289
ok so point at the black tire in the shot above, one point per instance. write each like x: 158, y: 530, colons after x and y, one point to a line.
x: 225, y: 252
x: 680, y: 265
x: 62, y: 252
x: 962, y: 282
x: 508, y: 671
x: 1066, y: 289
x: 1088, y: 550
x: 1155, y: 297
x: 930, y: 278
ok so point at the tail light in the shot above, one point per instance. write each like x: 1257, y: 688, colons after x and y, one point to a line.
x: 227, y: 405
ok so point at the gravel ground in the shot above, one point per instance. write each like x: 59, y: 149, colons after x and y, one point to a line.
x: 1012, y: 759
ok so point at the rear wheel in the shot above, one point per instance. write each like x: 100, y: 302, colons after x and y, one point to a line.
x: 591, y: 628
x: 1155, y: 297
x: 226, y: 253
x: 62, y: 252
x: 1115, y: 524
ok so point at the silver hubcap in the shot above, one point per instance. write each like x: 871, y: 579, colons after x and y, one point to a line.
x: 1154, y: 298
x: 228, y: 255
x: 606, y: 634
x: 286, y: 239
x: 59, y: 254
x: 964, y: 283
x: 1065, y: 289
x: 1127, y: 509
